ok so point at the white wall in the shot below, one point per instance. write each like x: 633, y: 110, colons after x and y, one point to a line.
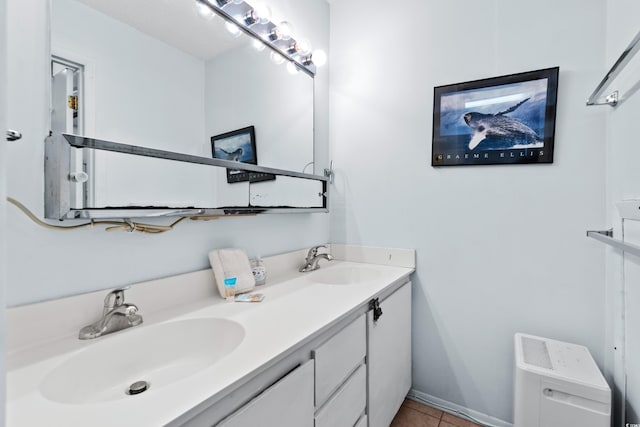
x: 500, y: 249
x: 45, y: 264
x: 3, y: 194
x: 623, y: 182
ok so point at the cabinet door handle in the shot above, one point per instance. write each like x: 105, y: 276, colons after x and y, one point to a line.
x: 374, y: 305
x: 13, y: 135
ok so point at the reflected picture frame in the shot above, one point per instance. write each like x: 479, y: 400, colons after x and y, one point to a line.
x: 501, y: 120
x: 239, y: 146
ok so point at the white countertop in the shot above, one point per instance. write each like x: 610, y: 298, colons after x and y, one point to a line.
x: 293, y: 311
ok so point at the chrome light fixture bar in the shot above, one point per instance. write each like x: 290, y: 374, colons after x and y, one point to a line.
x: 243, y: 15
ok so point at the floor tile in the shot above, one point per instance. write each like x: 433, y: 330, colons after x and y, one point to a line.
x: 408, y: 417
x: 455, y: 421
x: 423, y: 408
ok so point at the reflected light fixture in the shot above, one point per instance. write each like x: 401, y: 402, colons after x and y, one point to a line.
x: 258, y: 45
x: 232, y: 28
x: 250, y: 18
x: 276, y: 58
x: 286, y: 30
x: 264, y: 12
x: 317, y: 58
x: 300, y: 47
x: 273, y: 35
x: 491, y: 101
x: 292, y: 68
x: 204, y: 11
x: 255, y: 20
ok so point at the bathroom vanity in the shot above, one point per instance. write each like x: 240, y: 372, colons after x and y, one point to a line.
x: 326, y: 348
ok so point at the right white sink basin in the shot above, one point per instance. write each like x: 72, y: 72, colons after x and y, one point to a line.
x: 344, y: 275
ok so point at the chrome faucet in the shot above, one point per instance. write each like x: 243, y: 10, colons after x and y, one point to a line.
x: 313, y: 258
x: 116, y: 315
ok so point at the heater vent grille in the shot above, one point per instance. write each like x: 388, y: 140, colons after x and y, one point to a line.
x: 535, y: 353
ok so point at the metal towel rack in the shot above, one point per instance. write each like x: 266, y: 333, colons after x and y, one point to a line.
x: 612, y: 98
x: 628, y: 210
x: 606, y: 236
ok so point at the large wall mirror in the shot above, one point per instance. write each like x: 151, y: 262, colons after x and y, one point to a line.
x: 157, y: 74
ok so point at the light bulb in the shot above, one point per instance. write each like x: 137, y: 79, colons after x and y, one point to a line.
x: 258, y: 45
x: 304, y: 47
x: 319, y: 57
x: 204, y: 11
x: 300, y: 47
x: 263, y: 11
x: 238, y: 1
x: 232, y: 28
x: 292, y: 68
x: 276, y: 58
x: 286, y: 30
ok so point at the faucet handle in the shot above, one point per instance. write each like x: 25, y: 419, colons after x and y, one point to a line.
x: 131, y: 310
x: 114, y: 298
x: 314, y: 251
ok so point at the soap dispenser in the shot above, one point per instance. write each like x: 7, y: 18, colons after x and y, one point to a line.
x: 259, y: 271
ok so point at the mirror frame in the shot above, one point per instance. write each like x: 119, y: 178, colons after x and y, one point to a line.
x: 60, y: 189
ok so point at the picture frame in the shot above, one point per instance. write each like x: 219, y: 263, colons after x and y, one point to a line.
x: 240, y: 146
x: 501, y: 120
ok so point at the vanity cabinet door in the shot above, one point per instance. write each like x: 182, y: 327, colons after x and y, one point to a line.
x: 287, y: 403
x: 389, y: 357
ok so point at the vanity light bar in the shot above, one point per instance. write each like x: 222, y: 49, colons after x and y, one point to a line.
x: 245, y: 17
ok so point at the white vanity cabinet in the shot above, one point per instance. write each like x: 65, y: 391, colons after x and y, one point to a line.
x: 389, y: 357
x: 341, y: 377
x: 310, y: 355
x: 355, y: 373
x: 288, y: 403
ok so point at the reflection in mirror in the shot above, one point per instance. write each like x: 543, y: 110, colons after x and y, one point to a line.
x: 159, y: 75
x: 156, y: 74
x: 300, y: 193
x: 69, y: 193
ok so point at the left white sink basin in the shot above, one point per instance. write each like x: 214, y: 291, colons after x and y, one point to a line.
x: 158, y: 354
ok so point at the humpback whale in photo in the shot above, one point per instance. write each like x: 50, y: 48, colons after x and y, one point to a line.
x: 234, y: 155
x: 499, y: 126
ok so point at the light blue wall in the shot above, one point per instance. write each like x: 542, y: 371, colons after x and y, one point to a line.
x: 3, y: 228
x: 44, y: 264
x: 500, y: 249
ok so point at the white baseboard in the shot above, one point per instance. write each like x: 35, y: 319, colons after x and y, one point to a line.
x: 457, y: 410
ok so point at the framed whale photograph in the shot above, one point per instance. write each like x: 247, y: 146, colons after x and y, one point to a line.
x: 239, y: 146
x: 501, y: 120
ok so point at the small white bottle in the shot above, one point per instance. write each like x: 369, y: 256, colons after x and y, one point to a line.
x: 259, y: 271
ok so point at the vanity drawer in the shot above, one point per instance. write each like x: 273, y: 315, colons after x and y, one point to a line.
x: 338, y: 357
x: 287, y: 403
x: 346, y: 406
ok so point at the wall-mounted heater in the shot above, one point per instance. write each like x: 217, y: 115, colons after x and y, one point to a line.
x: 558, y: 385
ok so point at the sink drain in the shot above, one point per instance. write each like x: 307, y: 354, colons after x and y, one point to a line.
x: 138, y: 387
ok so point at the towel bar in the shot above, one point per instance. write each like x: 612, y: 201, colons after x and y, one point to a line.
x: 606, y: 236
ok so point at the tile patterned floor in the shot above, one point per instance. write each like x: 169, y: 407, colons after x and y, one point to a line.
x: 414, y: 414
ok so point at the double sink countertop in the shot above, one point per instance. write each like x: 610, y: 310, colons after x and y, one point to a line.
x: 61, y: 380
